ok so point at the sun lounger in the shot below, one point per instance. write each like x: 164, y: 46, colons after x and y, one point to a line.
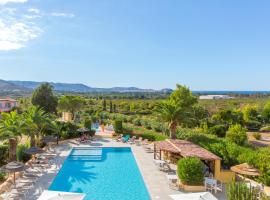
x: 132, y: 140
x: 119, y: 138
x: 126, y: 138
x: 139, y: 141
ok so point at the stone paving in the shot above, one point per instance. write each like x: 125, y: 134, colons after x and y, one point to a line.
x: 155, y: 180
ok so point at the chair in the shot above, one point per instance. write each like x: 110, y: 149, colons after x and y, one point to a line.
x: 126, y: 138
x: 212, y: 184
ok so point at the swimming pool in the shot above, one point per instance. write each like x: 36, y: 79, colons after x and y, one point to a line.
x: 102, y: 173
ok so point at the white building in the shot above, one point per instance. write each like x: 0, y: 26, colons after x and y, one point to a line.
x: 215, y: 97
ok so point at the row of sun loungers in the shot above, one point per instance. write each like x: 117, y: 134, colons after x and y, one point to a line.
x: 37, y: 167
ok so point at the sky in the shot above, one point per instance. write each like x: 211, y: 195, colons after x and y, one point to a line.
x: 204, y: 44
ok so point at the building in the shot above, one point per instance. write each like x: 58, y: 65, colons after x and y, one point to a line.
x: 6, y: 105
x: 215, y: 97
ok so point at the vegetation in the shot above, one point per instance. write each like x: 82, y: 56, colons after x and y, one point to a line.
x: 70, y: 103
x: 21, y: 155
x: 190, y: 171
x: 177, y: 108
x: 240, y: 191
x: 237, y: 134
x: 118, y: 127
x: 44, y: 98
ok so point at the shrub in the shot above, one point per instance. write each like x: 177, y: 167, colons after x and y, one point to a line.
x: 237, y: 134
x: 265, y: 128
x: 257, y: 136
x: 69, y: 130
x: 137, y: 122
x: 218, y: 130
x: 87, y: 123
x: 190, y: 171
x: 3, y: 154
x: 2, y: 176
x: 118, y: 126
x: 240, y: 191
x: 21, y: 155
x: 156, y: 126
x: 153, y: 136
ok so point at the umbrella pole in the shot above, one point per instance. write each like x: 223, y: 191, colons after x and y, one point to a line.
x: 14, y: 179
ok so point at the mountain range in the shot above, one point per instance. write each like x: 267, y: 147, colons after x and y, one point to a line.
x: 71, y: 87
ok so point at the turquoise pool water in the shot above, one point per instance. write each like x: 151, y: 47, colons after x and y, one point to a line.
x: 101, y: 173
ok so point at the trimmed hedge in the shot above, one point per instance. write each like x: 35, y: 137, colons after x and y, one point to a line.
x: 190, y: 171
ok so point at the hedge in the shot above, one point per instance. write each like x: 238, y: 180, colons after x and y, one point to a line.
x: 190, y: 171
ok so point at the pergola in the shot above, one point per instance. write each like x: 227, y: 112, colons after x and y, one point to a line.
x: 181, y: 148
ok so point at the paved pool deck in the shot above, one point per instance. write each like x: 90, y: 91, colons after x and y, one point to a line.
x: 155, y: 180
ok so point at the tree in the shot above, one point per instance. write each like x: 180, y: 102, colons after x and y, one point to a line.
x: 70, y: 103
x: 104, y: 105
x: 36, y: 120
x: 266, y: 112
x: 114, y: 108
x: 11, y: 129
x: 237, y: 134
x: 251, y: 117
x: 177, y: 108
x: 44, y: 98
x: 111, y: 107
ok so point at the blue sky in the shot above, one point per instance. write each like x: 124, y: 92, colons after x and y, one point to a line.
x: 204, y: 44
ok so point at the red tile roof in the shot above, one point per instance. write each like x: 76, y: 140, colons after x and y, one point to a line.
x: 186, y: 149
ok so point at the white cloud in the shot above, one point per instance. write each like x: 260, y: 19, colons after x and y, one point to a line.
x: 61, y: 14
x: 2, y: 2
x: 34, y: 10
x: 14, y: 34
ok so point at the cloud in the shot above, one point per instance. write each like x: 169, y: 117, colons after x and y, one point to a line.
x: 34, y: 10
x: 14, y: 34
x: 61, y: 14
x: 2, y: 2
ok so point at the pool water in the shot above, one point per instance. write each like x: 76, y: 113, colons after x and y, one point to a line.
x: 102, y: 174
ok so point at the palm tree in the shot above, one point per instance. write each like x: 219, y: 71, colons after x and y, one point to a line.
x: 36, y: 120
x: 11, y: 129
x: 169, y: 112
x: 176, y: 109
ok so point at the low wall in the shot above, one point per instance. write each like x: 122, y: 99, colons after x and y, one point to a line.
x: 193, y: 188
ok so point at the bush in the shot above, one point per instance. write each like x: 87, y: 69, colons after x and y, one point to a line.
x: 240, y: 191
x: 3, y: 154
x: 153, y: 136
x: 87, y: 123
x: 237, y: 134
x: 265, y: 128
x: 156, y: 126
x: 137, y: 122
x: 190, y: 171
x: 118, y: 126
x: 257, y: 136
x: 2, y: 176
x: 21, y: 155
x: 218, y: 130
x: 69, y: 130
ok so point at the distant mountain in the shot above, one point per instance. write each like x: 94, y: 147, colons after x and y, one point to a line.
x: 9, y: 86
x: 81, y: 88
x: 64, y: 87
